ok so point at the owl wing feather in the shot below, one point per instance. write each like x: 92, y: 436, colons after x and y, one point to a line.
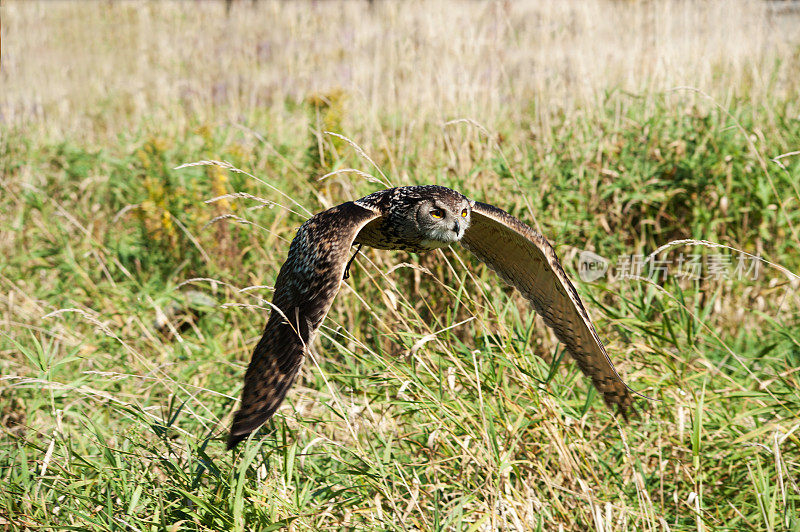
x: 304, y: 291
x: 525, y: 259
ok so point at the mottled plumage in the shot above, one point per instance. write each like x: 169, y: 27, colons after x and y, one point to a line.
x: 414, y: 219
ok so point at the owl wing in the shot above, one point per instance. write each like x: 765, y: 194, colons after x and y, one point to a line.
x: 525, y: 259
x: 304, y: 290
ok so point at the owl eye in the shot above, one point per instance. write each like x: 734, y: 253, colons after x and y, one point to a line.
x: 437, y: 213
x: 464, y: 213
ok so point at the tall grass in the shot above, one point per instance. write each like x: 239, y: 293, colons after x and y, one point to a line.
x: 135, y: 284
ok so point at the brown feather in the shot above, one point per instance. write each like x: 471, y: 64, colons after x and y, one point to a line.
x: 304, y: 290
x: 525, y: 259
x: 400, y: 218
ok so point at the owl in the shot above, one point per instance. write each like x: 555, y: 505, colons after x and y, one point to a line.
x: 416, y: 219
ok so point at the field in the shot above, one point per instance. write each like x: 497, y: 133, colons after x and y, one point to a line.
x: 156, y: 160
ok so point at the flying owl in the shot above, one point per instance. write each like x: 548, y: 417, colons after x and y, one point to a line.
x: 416, y: 219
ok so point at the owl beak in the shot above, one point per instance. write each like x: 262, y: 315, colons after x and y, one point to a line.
x: 457, y: 229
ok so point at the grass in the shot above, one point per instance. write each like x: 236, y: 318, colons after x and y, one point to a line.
x: 133, y: 291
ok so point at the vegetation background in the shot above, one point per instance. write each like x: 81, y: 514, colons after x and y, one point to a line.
x: 133, y: 291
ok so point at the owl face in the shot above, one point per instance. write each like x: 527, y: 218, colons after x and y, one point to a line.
x: 442, y: 221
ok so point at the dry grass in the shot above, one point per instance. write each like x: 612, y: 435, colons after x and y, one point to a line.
x: 424, y: 407
x: 92, y: 70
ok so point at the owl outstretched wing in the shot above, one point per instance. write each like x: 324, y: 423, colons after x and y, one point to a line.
x: 304, y: 290
x: 525, y: 259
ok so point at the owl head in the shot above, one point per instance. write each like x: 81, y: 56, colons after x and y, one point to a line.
x: 433, y: 216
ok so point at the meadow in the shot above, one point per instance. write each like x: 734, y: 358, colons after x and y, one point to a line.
x: 157, y: 158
